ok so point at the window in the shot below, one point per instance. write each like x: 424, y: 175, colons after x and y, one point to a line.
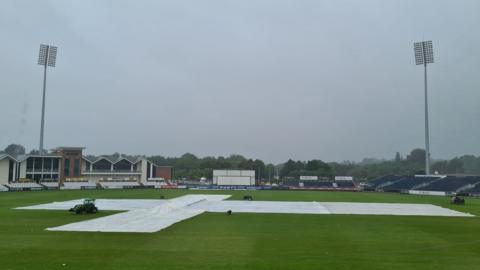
x: 102, y: 165
x: 10, y: 171
x: 122, y: 165
x: 55, y: 165
x: 87, y: 165
x: 30, y: 164
x: 148, y: 170
x: 47, y: 164
x: 38, y: 164
x: 154, y: 171
x: 76, y: 167
x: 66, y: 167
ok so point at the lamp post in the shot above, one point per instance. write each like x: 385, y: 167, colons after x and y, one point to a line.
x: 47, y: 57
x: 423, y: 56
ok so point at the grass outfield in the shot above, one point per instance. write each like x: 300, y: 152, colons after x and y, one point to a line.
x: 242, y: 241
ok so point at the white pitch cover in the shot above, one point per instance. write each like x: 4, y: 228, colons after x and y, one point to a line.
x: 147, y: 216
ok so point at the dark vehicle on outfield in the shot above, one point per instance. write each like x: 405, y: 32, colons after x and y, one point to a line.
x: 87, y: 207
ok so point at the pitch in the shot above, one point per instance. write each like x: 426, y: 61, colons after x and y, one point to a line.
x: 242, y: 240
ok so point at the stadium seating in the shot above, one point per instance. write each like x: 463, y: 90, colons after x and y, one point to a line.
x: 155, y: 184
x: 345, y: 184
x: 17, y: 186
x: 451, y: 183
x: 317, y: 184
x: 50, y: 185
x: 475, y: 190
x: 78, y: 185
x: 119, y: 184
x: 409, y: 182
x: 311, y: 184
x: 291, y: 183
x: 382, y: 181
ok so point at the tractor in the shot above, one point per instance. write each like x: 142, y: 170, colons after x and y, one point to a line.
x: 87, y: 207
x: 247, y: 198
x: 457, y: 200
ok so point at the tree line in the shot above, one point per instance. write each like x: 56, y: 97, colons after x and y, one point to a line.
x: 190, y: 166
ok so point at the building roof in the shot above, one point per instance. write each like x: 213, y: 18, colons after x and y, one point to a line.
x: 69, y: 148
x: 113, y: 158
x: 117, y: 158
x: 21, y: 158
x: 4, y: 155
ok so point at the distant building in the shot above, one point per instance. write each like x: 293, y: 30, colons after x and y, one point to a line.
x: 69, y: 164
x: 234, y: 177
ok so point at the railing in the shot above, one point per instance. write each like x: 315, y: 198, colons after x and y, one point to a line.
x: 110, y: 171
x: 43, y: 171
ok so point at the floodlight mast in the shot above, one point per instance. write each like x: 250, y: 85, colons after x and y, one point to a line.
x: 424, y: 55
x: 47, y: 57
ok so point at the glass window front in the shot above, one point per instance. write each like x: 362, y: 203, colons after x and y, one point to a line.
x: 30, y: 164
x: 47, y: 164
x: 122, y: 165
x: 66, y: 168
x: 55, y: 164
x: 76, y: 167
x: 102, y: 165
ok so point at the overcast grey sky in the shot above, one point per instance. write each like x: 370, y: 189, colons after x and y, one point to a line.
x: 334, y: 80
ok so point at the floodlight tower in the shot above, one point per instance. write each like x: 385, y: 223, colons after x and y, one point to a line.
x: 423, y: 56
x: 46, y: 57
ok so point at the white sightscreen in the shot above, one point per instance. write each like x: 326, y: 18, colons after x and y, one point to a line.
x: 234, y: 180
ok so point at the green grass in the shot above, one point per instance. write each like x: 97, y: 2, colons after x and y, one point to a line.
x: 242, y: 241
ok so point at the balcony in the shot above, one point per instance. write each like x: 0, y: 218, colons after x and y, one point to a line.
x: 31, y: 171
x: 110, y: 172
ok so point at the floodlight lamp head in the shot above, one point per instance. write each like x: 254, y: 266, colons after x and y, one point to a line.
x: 47, y: 55
x: 423, y: 52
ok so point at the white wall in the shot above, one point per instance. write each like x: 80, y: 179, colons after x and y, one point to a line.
x: 234, y: 177
x: 23, y: 169
x: 235, y: 181
x: 143, y: 166
x: 427, y: 192
x: 4, y: 171
x: 84, y: 165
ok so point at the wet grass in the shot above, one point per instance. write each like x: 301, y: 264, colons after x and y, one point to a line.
x: 242, y: 241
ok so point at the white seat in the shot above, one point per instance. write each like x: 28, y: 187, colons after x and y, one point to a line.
x: 50, y: 184
x: 78, y: 185
x: 119, y: 184
x: 22, y: 185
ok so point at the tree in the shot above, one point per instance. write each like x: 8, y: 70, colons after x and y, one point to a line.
x: 417, y: 156
x: 313, y: 165
x: 235, y: 160
x: 246, y: 164
x: 287, y: 168
x: 259, y: 168
x: 15, y: 150
x: 192, y: 167
x: 270, y: 171
x: 208, y: 163
x: 398, y: 158
x: 440, y: 166
x: 455, y: 166
x: 114, y: 156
